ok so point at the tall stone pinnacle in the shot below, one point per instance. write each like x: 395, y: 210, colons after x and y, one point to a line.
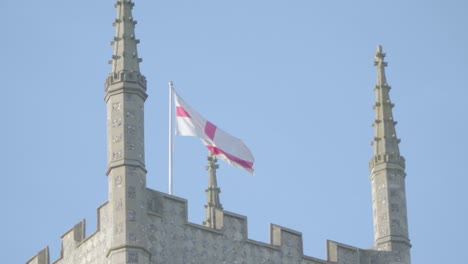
x: 387, y: 174
x: 125, y: 95
x: 385, y: 139
x: 125, y: 55
x: 212, y: 193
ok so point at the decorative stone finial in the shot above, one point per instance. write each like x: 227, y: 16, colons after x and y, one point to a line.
x: 379, y: 48
x: 212, y: 193
x: 379, y: 57
x: 212, y: 160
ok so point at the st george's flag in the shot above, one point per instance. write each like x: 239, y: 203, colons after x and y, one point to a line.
x: 221, y: 144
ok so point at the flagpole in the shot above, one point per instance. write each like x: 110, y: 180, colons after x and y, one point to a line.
x: 171, y: 145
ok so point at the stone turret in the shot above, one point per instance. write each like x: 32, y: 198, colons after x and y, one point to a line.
x: 213, y: 207
x: 387, y: 169
x: 125, y: 95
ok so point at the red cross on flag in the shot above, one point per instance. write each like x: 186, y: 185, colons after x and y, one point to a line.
x: 226, y: 147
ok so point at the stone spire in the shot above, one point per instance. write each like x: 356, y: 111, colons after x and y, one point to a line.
x: 385, y: 139
x: 125, y: 55
x: 387, y: 168
x: 213, y: 205
x: 125, y: 95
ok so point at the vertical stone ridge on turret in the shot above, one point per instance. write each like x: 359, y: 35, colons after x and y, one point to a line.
x: 213, y: 207
x: 387, y: 169
x: 125, y: 95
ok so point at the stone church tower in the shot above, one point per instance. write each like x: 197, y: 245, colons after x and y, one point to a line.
x: 143, y: 226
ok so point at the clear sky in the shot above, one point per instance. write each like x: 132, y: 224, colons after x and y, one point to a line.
x: 294, y: 79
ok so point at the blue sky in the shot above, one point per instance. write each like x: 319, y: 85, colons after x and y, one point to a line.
x: 293, y: 79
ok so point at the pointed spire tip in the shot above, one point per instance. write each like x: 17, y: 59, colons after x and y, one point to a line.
x: 379, y: 56
x: 379, y: 48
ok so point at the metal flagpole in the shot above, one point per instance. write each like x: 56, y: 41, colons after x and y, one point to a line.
x: 171, y: 145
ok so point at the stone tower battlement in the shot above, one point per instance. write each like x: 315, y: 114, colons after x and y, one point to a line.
x: 172, y: 237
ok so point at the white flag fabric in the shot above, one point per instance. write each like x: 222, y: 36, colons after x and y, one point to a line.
x: 228, y: 148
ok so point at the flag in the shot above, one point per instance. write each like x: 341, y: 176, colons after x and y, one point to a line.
x: 228, y: 148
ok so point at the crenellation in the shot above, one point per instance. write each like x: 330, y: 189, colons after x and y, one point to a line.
x: 76, y: 245
x: 194, y: 243
x: 165, y: 230
x: 342, y: 254
x: 72, y: 238
x: 169, y: 232
x: 155, y: 202
x: 288, y: 241
x: 79, y: 231
x: 235, y: 226
x: 175, y: 210
x: 286, y: 238
x: 42, y: 257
